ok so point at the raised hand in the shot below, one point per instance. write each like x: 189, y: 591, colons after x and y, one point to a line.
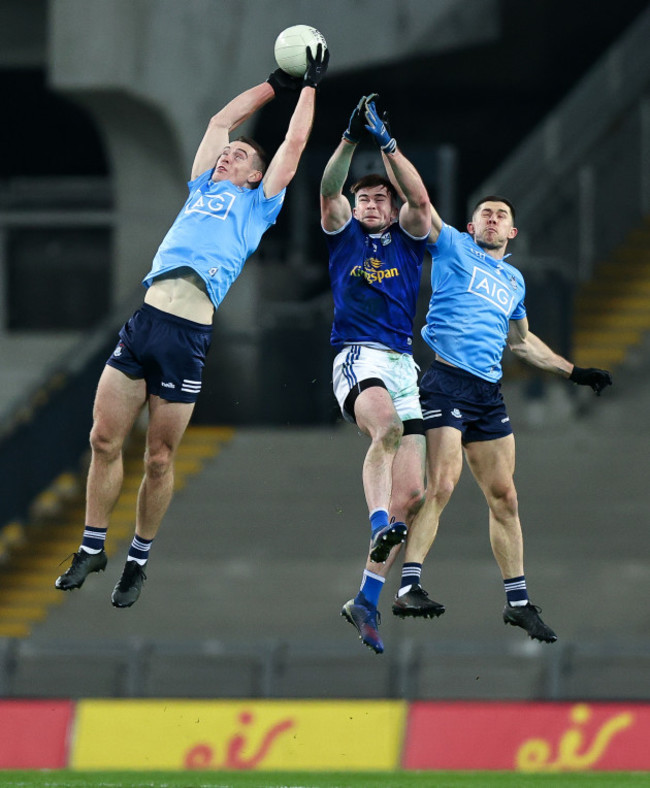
x: 356, y: 126
x: 316, y: 66
x: 377, y: 128
x: 280, y: 81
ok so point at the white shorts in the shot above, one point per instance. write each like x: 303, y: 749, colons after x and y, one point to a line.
x: 398, y: 372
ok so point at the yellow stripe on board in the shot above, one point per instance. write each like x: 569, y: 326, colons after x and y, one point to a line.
x: 265, y: 735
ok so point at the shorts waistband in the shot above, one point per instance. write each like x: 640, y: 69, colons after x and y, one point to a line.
x: 458, y: 372
x: 179, y: 321
x: 375, y: 346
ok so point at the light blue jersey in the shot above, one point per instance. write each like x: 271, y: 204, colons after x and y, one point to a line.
x: 217, y: 230
x: 473, y: 298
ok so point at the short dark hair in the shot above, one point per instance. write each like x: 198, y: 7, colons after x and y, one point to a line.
x: 262, y: 159
x: 495, y: 198
x: 374, y: 179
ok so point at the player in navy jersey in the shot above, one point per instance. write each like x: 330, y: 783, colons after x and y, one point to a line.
x: 234, y: 197
x: 476, y: 309
x: 375, y: 259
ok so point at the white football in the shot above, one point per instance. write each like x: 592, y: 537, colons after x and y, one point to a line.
x: 290, y: 46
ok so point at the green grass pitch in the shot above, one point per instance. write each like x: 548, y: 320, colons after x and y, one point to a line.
x: 73, y: 779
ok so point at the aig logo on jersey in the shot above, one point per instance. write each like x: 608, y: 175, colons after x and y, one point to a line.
x: 216, y: 205
x: 492, y: 289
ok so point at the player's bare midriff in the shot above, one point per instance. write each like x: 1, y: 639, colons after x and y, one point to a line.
x: 182, y: 293
x: 442, y: 360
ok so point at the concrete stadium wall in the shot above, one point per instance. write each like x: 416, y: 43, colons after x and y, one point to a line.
x: 152, y: 73
x: 588, y: 160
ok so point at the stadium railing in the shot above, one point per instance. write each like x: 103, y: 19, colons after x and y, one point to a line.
x: 280, y: 669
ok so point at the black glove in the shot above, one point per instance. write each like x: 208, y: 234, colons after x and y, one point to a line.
x: 280, y: 81
x: 356, y: 126
x: 598, y: 379
x: 316, y: 66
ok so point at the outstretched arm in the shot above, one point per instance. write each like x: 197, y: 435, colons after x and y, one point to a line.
x: 415, y: 214
x: 284, y: 164
x: 530, y: 348
x: 226, y: 120
x: 436, y: 221
x: 335, y: 208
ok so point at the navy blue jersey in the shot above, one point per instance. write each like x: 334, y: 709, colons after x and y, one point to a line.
x: 375, y: 283
x: 473, y: 299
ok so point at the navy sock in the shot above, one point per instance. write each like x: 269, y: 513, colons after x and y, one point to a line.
x: 378, y: 520
x: 371, y: 586
x: 411, y: 573
x: 516, y: 592
x: 139, y: 550
x: 93, y: 539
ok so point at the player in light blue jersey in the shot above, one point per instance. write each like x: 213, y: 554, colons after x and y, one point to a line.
x: 376, y: 251
x: 234, y: 197
x: 476, y: 309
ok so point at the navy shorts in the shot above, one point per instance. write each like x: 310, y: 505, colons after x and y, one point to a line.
x: 167, y: 351
x: 451, y: 397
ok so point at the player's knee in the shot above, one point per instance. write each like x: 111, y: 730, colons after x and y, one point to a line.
x: 505, y: 498
x: 103, y: 444
x: 441, y: 489
x: 158, y: 462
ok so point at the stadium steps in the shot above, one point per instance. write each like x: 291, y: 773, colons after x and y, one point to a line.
x: 34, y: 553
x: 612, y: 311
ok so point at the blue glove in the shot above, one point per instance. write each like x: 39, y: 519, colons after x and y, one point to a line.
x: 378, y: 129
